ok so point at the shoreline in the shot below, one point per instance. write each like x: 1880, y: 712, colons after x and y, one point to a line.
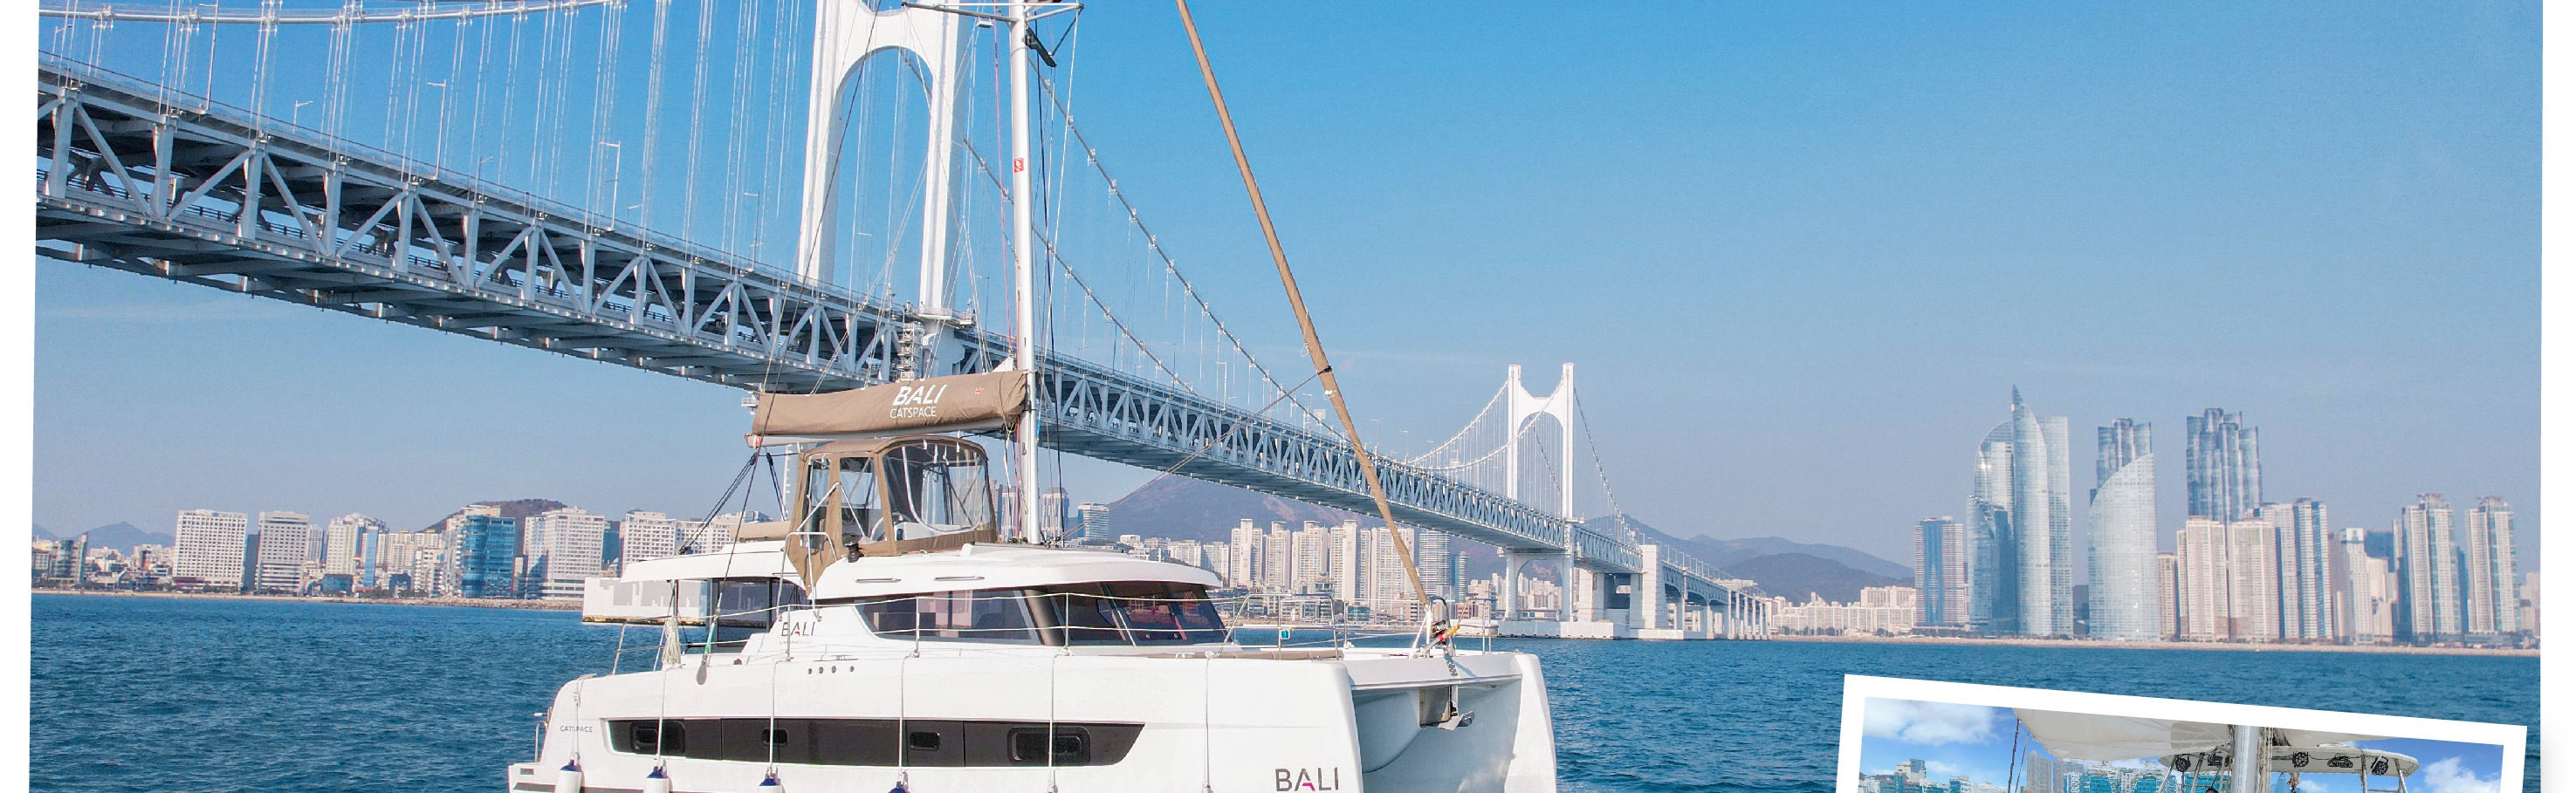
x: 2378, y: 649
x: 575, y: 606
x: 516, y: 605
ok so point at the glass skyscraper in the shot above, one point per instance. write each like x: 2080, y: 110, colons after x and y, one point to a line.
x: 2428, y: 572
x: 487, y: 551
x: 2021, y: 570
x: 1941, y: 572
x: 1990, y: 591
x: 2223, y: 474
x: 2123, y: 535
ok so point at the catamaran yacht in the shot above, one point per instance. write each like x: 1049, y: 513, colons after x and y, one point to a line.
x: 884, y: 638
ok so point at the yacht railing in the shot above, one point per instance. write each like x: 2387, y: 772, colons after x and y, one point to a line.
x: 1140, y: 622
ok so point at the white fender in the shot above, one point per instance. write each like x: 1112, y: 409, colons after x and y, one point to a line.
x: 568, y: 780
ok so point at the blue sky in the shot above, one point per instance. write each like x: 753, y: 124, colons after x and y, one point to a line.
x: 1980, y: 742
x: 1800, y: 255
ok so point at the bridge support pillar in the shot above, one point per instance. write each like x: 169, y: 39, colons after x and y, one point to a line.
x: 1646, y: 596
x: 1512, y: 601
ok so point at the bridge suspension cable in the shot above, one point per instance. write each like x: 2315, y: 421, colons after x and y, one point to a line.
x: 1154, y: 244
x: 352, y: 13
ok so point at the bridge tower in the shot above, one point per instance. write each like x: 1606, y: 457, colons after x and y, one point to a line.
x: 847, y: 33
x: 1522, y: 409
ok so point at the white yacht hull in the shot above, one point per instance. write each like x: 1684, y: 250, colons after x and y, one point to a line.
x: 1229, y: 721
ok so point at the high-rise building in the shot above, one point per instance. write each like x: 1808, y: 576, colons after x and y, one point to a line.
x: 2253, y: 580
x: 1313, y: 550
x: 1437, y: 561
x: 208, y: 550
x: 710, y: 536
x: 343, y: 543
x: 2530, y: 592
x: 1941, y: 572
x: 563, y: 547
x: 1994, y: 604
x: 2022, y: 562
x: 411, y: 561
x: 371, y: 543
x: 2362, y: 600
x: 2490, y: 606
x: 2123, y: 534
x: 1278, y: 559
x: 2201, y: 582
x: 2168, y: 594
x: 2301, y: 547
x: 2428, y: 572
x: 485, y: 550
x: 1055, y: 512
x: 645, y: 535
x: 1243, y: 556
x: 285, y: 542
x: 2222, y: 471
x: 1383, y: 584
x: 1095, y: 523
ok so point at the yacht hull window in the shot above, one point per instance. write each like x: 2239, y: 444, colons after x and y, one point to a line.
x: 879, y: 742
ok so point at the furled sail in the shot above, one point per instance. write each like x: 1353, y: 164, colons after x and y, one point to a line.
x: 937, y: 404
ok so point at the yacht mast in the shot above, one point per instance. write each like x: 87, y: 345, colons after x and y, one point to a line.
x: 1025, y: 341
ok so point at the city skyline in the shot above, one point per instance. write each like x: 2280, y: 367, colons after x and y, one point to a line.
x: 2522, y: 557
x: 2411, y: 366
x: 2242, y: 567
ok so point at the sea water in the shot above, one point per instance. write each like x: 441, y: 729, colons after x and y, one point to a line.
x: 169, y: 694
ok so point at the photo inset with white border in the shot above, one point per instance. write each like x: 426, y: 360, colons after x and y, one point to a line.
x: 1918, y: 736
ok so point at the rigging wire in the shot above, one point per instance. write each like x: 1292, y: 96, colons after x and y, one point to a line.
x: 1170, y: 267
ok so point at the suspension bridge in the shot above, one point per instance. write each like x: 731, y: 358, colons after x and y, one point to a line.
x: 500, y: 210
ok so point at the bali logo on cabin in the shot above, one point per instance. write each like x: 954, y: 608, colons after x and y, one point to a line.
x: 1289, y: 780
x: 917, y: 402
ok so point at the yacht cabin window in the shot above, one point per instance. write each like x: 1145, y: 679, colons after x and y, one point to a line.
x: 748, y: 606
x: 1133, y: 613
x: 1117, y: 613
x: 992, y: 615
x: 912, y: 489
x: 935, y: 489
x: 847, y: 485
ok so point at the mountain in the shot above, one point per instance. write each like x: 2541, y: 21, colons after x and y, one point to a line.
x: 1181, y: 508
x: 1797, y: 575
x: 1726, y: 553
x: 519, y: 508
x: 123, y: 535
x: 1724, y: 550
x: 39, y: 531
x: 120, y: 535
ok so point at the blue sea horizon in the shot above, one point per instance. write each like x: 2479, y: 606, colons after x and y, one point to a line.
x: 170, y: 694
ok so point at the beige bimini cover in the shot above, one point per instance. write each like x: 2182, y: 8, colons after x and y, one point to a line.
x: 937, y: 404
